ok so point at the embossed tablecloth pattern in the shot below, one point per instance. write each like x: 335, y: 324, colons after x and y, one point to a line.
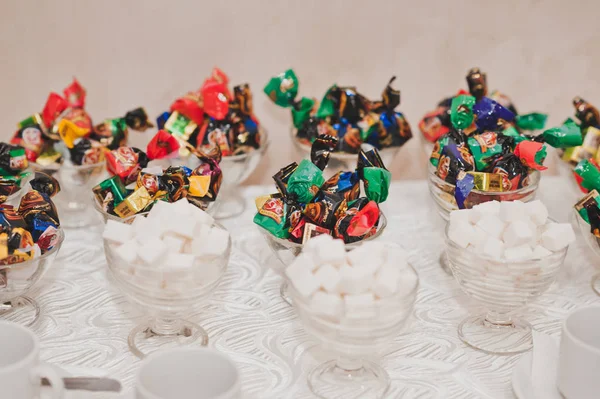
x: 85, y: 320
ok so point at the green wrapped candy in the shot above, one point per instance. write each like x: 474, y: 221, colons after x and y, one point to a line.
x: 283, y: 88
x: 327, y: 107
x: 116, y: 187
x: 272, y: 217
x: 305, y: 181
x: 301, y: 111
x: 590, y: 175
x: 484, y: 146
x: 511, y: 131
x: 377, y: 183
x: 567, y: 135
x: 461, y: 114
x: 532, y: 121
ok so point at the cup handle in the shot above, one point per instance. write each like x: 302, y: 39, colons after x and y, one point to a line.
x: 56, y: 381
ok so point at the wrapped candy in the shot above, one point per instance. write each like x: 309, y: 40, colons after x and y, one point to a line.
x: 490, y: 111
x: 307, y: 205
x: 64, y: 130
x: 31, y: 229
x: 342, y: 113
x: 214, y: 117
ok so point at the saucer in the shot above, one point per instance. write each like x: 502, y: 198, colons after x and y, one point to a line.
x: 522, y: 381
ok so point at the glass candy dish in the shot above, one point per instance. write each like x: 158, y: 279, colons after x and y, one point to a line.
x: 285, y: 251
x: 76, y: 182
x: 443, y: 193
x: 502, y: 287
x: 593, y: 242
x: 354, y: 338
x: 168, y: 294
x: 17, y: 280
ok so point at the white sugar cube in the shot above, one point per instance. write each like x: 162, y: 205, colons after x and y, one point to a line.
x: 128, y: 251
x: 297, y: 270
x: 493, y: 247
x: 181, y: 261
x: 117, y: 232
x: 396, y: 255
x: 537, y: 211
x: 181, y: 208
x: 460, y: 215
x: 518, y: 233
x: 521, y: 252
x: 511, y: 211
x: 152, y: 251
x: 475, y: 214
x: 174, y: 242
x: 306, y: 283
x: 328, y: 278
x: 201, y: 216
x: 183, y: 226
x: 334, y: 252
x: 557, y: 236
x: 355, y: 280
x: 367, y: 256
x: 540, y: 252
x: 386, y: 281
x: 490, y: 207
x: 160, y: 210
x: 305, y: 260
x: 461, y: 233
x: 326, y: 304
x: 491, y: 224
x: 322, y: 240
x: 478, y: 238
x: 145, y: 228
x: 213, y: 243
x: 201, y: 230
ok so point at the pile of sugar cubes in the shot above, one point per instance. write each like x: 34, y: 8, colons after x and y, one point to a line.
x: 512, y: 230
x: 173, y: 236
x: 336, y: 282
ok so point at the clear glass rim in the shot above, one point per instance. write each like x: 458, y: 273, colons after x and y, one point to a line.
x: 264, y: 137
x: 535, y: 177
x: 61, y: 238
x: 338, y: 155
x: 452, y: 244
x: 290, y: 244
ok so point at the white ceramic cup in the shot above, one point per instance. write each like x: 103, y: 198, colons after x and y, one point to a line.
x: 579, y: 359
x: 188, y: 373
x: 20, y: 367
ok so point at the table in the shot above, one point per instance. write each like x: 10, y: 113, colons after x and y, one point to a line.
x: 85, y: 320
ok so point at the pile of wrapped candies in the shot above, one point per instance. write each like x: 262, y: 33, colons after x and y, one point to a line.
x: 214, y: 117
x: 307, y: 205
x: 437, y: 123
x: 484, y: 150
x: 134, y: 187
x: 343, y: 113
x: 13, y: 164
x: 31, y: 229
x: 64, y: 130
x: 589, y: 123
x: 587, y: 173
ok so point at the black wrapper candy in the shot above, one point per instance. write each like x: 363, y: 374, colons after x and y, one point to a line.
x: 321, y: 150
x: 515, y: 174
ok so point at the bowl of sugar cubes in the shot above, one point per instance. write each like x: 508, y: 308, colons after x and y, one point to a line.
x: 354, y: 303
x: 167, y: 262
x: 503, y: 255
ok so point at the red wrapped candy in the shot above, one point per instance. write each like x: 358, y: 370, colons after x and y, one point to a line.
x: 162, y: 145
x: 123, y: 162
x: 190, y: 106
x: 364, y: 221
x: 55, y: 105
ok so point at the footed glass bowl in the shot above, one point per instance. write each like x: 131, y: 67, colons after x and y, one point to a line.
x: 443, y: 193
x: 354, y: 338
x: 502, y: 287
x: 16, y: 281
x: 167, y: 293
x: 73, y: 200
x: 594, y: 243
x: 286, y: 251
x: 341, y: 161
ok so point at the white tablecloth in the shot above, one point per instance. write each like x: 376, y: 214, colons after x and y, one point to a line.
x: 85, y: 320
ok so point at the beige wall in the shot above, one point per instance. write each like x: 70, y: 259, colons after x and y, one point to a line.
x: 130, y: 53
